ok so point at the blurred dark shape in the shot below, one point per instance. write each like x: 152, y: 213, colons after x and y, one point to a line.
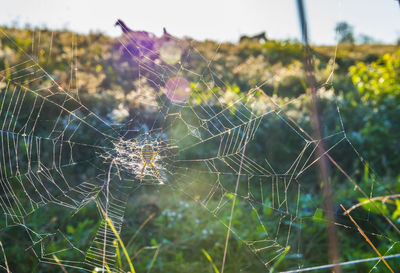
x: 366, y: 39
x: 124, y: 28
x: 146, y: 210
x: 344, y: 32
x: 142, y: 43
x: 166, y: 35
x: 371, y: 57
x: 139, y: 55
x: 258, y: 37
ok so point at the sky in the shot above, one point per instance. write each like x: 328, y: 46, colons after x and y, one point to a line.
x: 219, y: 20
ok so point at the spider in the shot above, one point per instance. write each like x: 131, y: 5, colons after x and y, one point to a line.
x: 148, y: 154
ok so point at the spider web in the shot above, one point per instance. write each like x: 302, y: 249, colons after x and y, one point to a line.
x: 206, y: 144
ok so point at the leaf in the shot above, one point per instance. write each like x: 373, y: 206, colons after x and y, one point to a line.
x: 396, y: 213
x: 229, y: 195
x: 70, y: 229
x: 318, y: 215
x: 370, y: 207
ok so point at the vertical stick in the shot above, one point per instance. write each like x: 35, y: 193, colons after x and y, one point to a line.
x: 318, y: 135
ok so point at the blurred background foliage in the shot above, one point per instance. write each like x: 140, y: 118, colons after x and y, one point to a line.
x: 364, y: 85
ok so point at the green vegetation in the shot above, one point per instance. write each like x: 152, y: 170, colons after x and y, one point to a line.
x: 168, y: 229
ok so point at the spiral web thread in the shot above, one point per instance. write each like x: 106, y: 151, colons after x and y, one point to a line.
x: 40, y: 152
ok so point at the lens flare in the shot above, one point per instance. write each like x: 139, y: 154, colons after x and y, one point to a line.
x: 177, y: 89
x: 170, y: 53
